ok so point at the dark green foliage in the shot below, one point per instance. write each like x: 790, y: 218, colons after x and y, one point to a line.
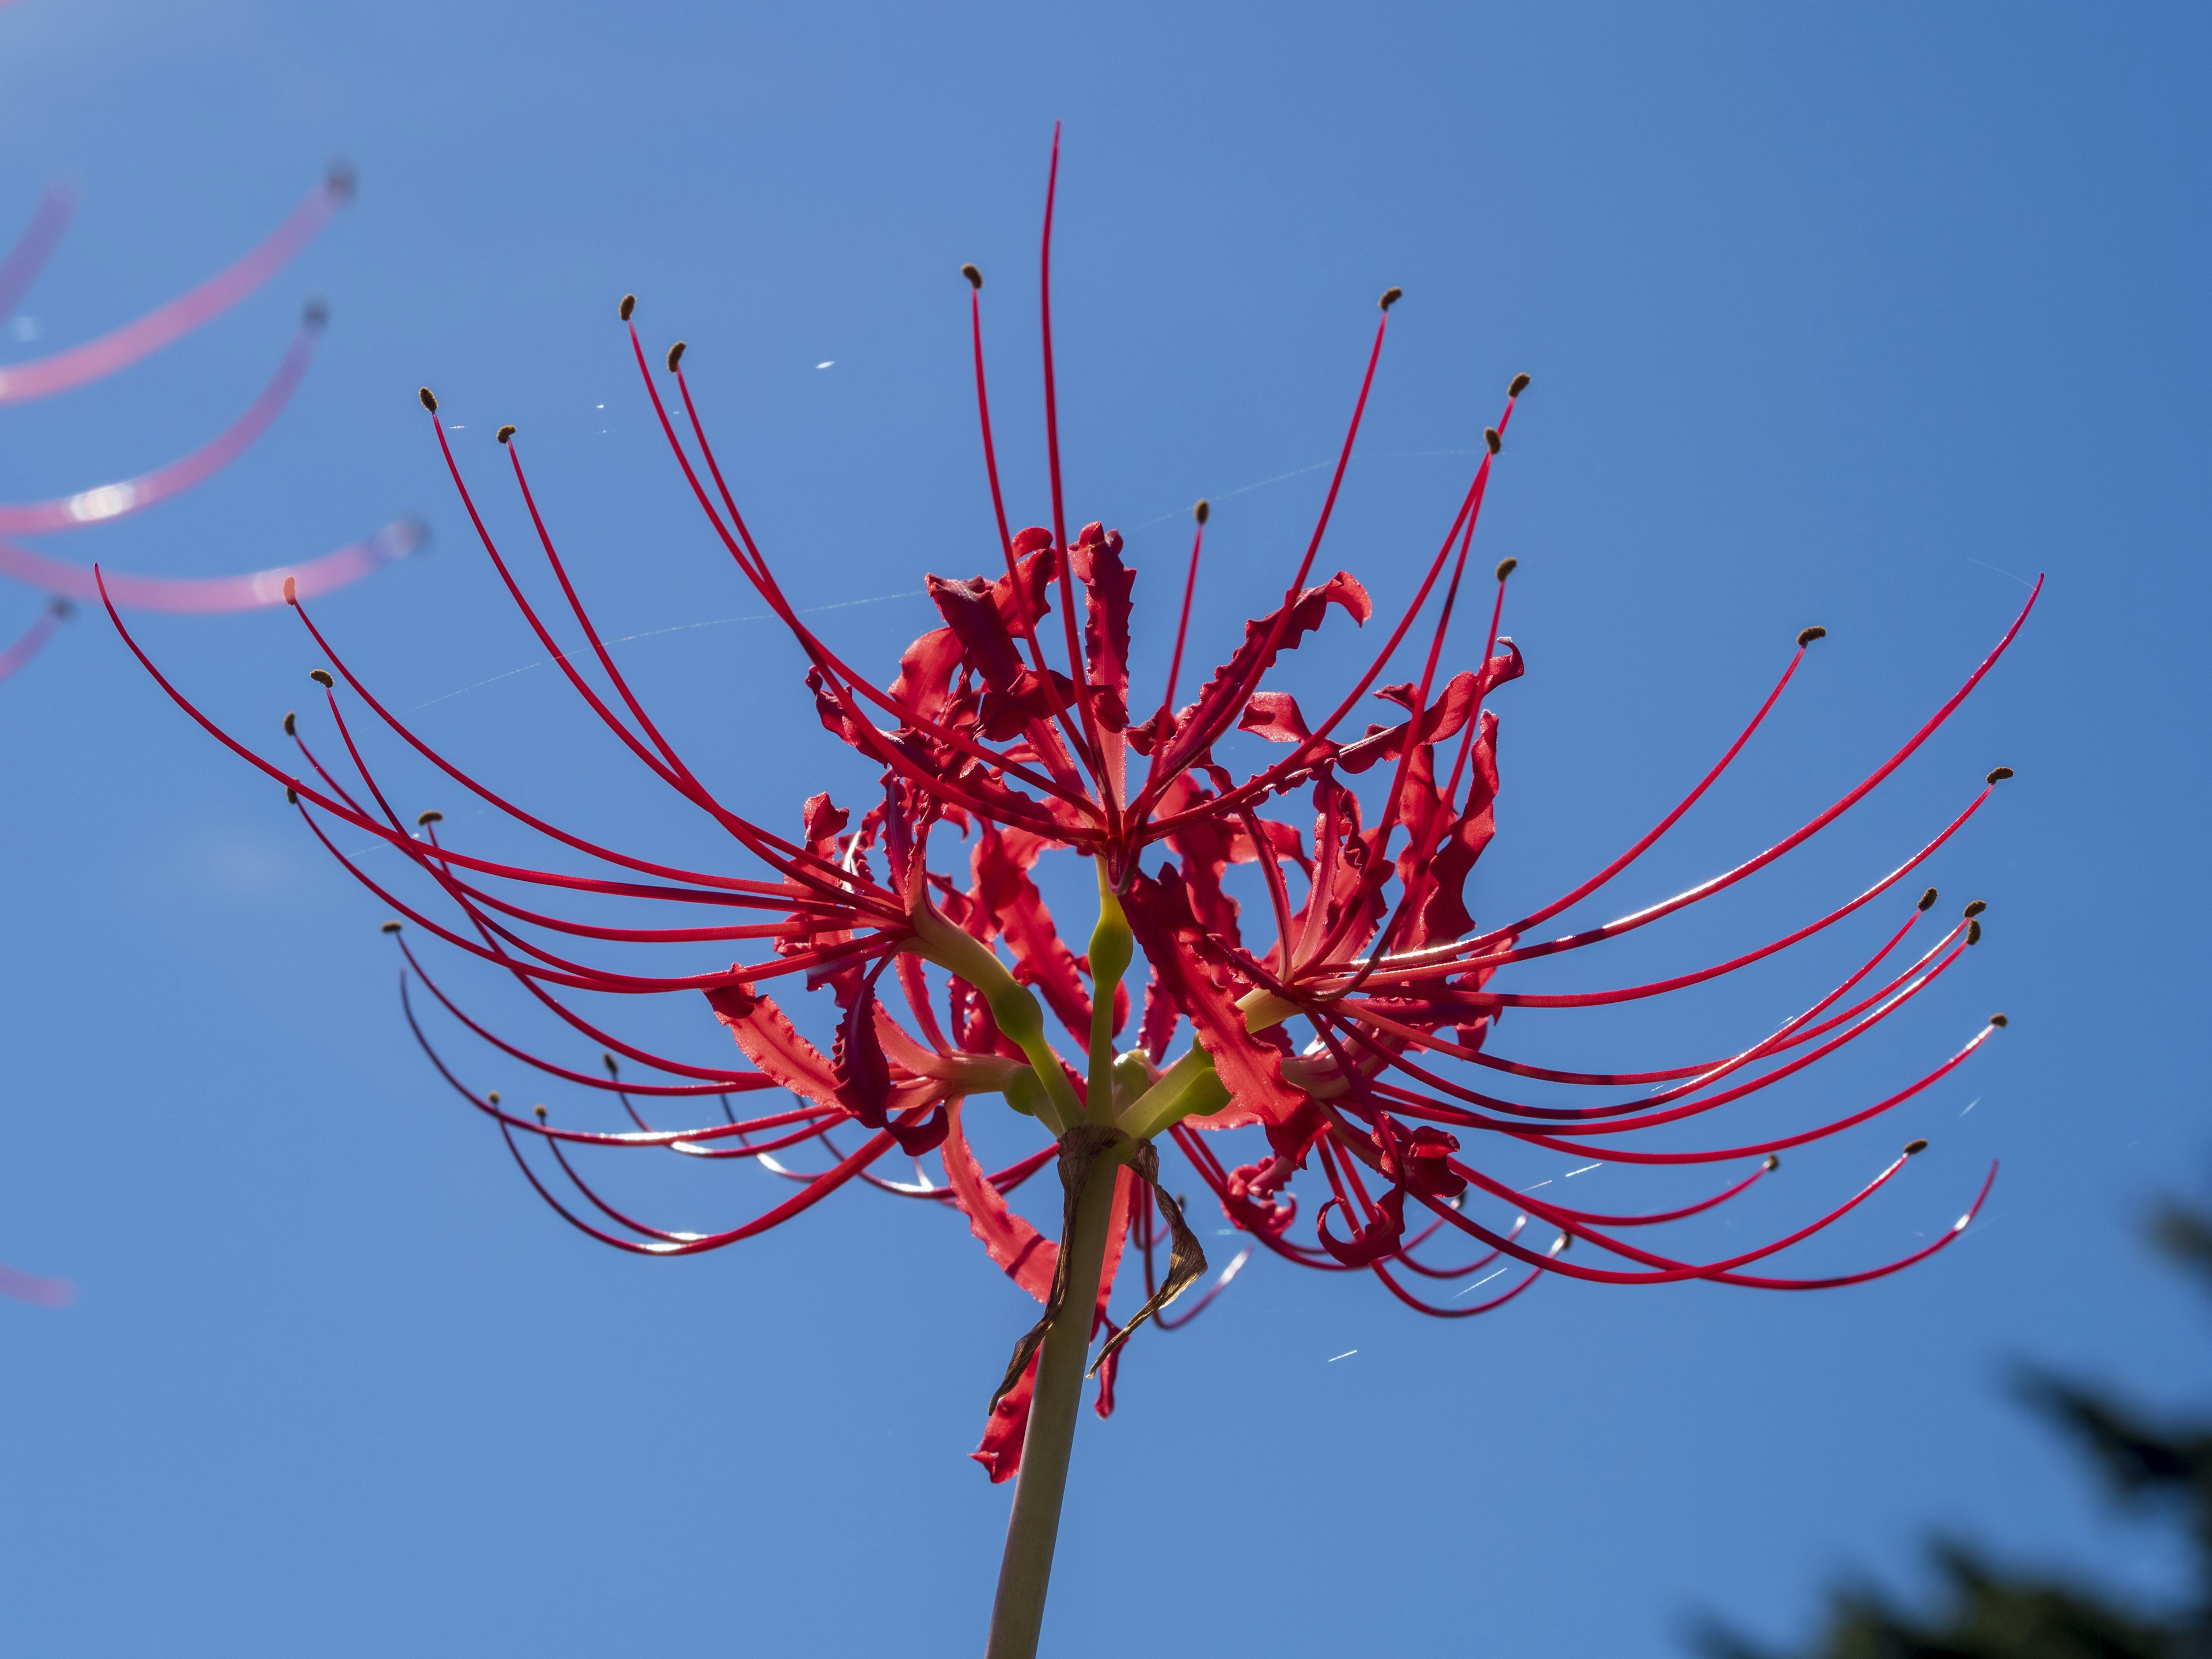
x: 1989, y: 1612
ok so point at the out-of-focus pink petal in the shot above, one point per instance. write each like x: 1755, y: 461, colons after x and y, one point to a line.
x: 40, y: 1292
x: 36, y: 245
x: 102, y: 502
x: 33, y: 641
x: 254, y: 592
x: 42, y: 377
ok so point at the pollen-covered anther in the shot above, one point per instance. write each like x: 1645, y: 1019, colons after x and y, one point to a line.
x: 1494, y: 438
x: 321, y: 677
x: 675, y: 356
x: 1203, y: 510
x: 1519, y: 384
x: 390, y: 927
x: 1506, y: 567
x: 1806, y: 635
x: 1927, y: 900
x: 1999, y: 774
x: 974, y: 276
x: 430, y: 399
x: 492, y: 1095
x: 1975, y: 909
x: 1771, y: 1163
x: 1391, y: 296
x: 291, y: 723
x: 540, y: 1110
x: 608, y: 1061
x: 424, y: 819
x: 1914, y: 1148
x: 291, y: 796
x: 1974, y: 933
x: 629, y: 305
x: 2000, y: 1021
x: 505, y: 433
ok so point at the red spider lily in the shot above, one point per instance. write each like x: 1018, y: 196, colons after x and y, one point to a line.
x: 96, y: 360
x: 1004, y: 736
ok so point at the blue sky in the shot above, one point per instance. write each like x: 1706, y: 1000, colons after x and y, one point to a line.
x: 1856, y: 317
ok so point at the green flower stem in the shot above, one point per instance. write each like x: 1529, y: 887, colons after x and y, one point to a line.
x: 1189, y: 1088
x: 1016, y: 1010
x: 1186, y: 1089
x: 1025, y: 1570
x: 1112, y: 946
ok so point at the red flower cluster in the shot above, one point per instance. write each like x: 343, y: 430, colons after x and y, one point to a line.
x: 1005, y: 735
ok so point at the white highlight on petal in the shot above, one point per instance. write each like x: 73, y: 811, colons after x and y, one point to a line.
x: 105, y: 502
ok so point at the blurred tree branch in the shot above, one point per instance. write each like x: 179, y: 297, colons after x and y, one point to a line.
x: 1986, y: 1611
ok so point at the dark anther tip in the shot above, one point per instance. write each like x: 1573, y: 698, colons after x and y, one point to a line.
x: 1975, y: 909
x: 675, y: 356
x: 1999, y: 775
x: 1974, y: 933
x: 340, y: 179
x: 628, y: 305
x: 974, y: 276
x: 1928, y: 899
x: 608, y: 1061
x: 291, y: 796
x: 423, y: 820
x: 321, y: 678
x: 1391, y: 296
x: 1914, y: 1148
x: 505, y: 433
x: 291, y: 724
x: 540, y: 1110
x: 1506, y: 567
x: 1805, y: 636
x: 1519, y: 384
x: 389, y: 928
x: 1203, y: 510
x: 315, y: 312
x: 1494, y: 438
x: 1772, y: 1162
x: 492, y: 1095
x: 1999, y: 1021
x: 430, y: 399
